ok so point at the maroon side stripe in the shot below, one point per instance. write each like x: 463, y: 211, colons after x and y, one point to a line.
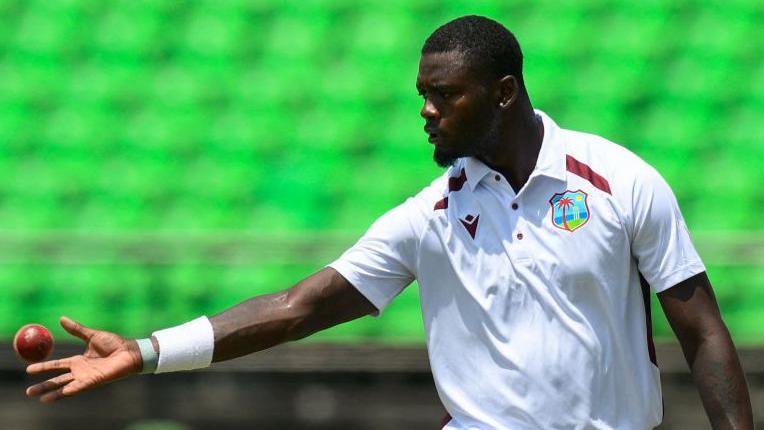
x: 648, y: 319
x: 445, y: 420
x: 583, y: 170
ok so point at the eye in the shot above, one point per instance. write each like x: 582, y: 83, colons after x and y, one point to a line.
x: 446, y: 93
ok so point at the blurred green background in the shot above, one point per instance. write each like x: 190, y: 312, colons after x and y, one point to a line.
x: 163, y: 159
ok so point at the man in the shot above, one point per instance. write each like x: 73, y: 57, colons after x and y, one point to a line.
x: 535, y: 254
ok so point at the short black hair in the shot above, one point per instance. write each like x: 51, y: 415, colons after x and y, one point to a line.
x: 486, y: 45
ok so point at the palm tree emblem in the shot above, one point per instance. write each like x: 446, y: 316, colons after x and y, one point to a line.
x: 563, y: 204
x: 569, y: 203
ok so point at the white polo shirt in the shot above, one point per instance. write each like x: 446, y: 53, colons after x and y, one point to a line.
x: 534, y: 312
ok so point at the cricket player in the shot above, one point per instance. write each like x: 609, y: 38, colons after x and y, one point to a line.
x: 535, y: 253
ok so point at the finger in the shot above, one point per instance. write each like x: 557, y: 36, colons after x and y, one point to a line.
x: 47, y: 366
x: 52, y: 396
x: 49, y: 385
x: 65, y: 391
x: 76, y: 387
x: 76, y: 329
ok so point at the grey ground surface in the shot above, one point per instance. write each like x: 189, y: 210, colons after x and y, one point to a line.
x: 301, y: 386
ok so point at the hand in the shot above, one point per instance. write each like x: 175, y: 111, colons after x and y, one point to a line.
x: 108, y: 357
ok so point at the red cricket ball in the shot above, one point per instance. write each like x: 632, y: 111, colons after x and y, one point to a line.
x: 33, y: 343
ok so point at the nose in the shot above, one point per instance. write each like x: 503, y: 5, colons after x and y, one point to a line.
x: 429, y: 111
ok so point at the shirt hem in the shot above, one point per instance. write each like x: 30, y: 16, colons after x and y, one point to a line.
x: 677, y: 276
x: 380, y: 302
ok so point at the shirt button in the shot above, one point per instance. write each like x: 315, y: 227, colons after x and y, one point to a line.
x: 519, y: 236
x: 497, y: 177
x: 515, y: 206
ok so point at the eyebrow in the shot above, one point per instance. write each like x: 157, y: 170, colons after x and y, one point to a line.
x: 437, y: 86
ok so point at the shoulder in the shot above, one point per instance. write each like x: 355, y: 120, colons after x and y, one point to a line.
x: 636, y: 191
x: 403, y: 225
x: 624, y: 171
x: 432, y: 196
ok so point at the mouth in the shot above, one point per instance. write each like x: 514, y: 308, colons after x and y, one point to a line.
x: 432, y: 135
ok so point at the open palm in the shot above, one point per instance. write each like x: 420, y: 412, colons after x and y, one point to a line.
x: 108, y: 357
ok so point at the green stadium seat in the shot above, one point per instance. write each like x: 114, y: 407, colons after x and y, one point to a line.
x: 128, y: 30
x: 676, y: 124
x: 733, y: 29
x: 18, y: 129
x: 333, y: 127
x: 31, y: 300
x: 46, y: 29
x: 402, y: 320
x: 755, y: 88
x: 380, y: 34
x: 15, y: 289
x: 546, y: 78
x: 632, y: 32
x: 403, y: 136
x: 282, y: 118
x: 127, y: 283
x: 357, y: 331
x: 296, y: 37
x: 455, y: 8
x: 595, y: 115
x: 29, y: 213
x: 73, y: 290
x: 212, y: 32
x: 692, y: 76
x: 191, y: 291
x: 233, y: 130
x: 237, y: 283
x: 541, y: 36
x: 742, y: 131
x: 614, y: 78
x: 740, y: 291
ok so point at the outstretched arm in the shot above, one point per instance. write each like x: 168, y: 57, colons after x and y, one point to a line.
x: 692, y: 311
x: 318, y: 302
x: 322, y: 300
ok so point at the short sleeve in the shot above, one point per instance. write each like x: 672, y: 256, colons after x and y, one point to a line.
x: 661, y: 242
x: 382, y: 263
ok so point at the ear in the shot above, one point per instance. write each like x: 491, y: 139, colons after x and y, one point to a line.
x: 509, y: 89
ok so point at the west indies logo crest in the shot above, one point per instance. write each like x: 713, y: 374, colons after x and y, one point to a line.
x: 569, y: 210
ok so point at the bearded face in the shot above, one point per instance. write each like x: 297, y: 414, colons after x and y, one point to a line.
x: 461, y: 119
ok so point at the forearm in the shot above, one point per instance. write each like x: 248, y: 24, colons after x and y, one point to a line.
x: 253, y: 325
x: 721, y: 383
x: 316, y: 303
x: 691, y: 309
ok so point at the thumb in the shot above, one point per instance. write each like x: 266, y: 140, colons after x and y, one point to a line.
x: 76, y: 329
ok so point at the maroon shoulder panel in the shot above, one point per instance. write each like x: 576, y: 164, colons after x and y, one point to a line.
x: 441, y: 204
x: 456, y: 183
x: 583, y: 170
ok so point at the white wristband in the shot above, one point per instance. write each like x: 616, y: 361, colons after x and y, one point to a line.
x: 185, y: 347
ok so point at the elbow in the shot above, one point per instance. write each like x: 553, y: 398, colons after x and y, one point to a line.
x: 299, y: 311
x: 714, y: 338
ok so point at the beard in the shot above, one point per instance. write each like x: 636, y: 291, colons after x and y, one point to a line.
x: 483, y: 147
x: 445, y: 158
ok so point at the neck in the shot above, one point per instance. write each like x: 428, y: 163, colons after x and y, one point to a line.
x: 521, y: 135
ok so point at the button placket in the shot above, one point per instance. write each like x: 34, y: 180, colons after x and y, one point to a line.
x: 517, y: 249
